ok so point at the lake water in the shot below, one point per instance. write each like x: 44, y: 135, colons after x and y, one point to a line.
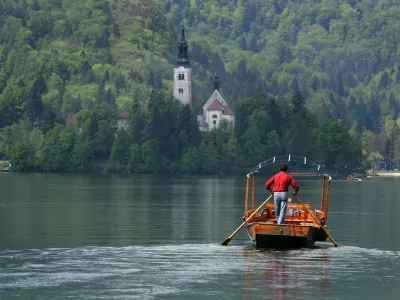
x: 82, y: 237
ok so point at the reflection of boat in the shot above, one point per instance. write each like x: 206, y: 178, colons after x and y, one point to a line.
x: 302, y: 226
x: 276, y: 274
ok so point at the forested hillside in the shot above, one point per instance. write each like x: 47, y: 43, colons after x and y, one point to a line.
x: 318, y: 78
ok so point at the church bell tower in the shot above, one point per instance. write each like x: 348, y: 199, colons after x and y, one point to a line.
x: 183, y: 73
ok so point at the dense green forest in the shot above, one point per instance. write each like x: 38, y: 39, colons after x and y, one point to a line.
x: 315, y: 78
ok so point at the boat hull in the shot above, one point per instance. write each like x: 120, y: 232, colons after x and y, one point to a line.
x: 279, y: 242
x: 284, y: 236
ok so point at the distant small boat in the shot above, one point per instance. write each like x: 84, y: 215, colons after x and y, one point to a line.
x: 302, y: 227
x: 6, y: 169
x: 351, y: 178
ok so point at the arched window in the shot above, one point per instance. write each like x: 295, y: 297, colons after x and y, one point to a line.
x: 215, y: 117
x: 181, y: 76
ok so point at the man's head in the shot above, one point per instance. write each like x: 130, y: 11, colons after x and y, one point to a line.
x: 283, y: 167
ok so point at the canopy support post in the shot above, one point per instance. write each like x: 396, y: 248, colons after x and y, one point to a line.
x: 253, y: 190
x: 246, y: 198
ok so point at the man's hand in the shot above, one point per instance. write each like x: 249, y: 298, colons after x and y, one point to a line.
x: 294, y: 194
x: 271, y: 192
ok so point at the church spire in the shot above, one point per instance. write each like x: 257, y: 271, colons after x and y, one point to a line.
x: 183, y: 35
x: 183, y: 59
x: 216, y: 83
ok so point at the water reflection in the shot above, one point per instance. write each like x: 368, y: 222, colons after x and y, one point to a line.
x: 158, y: 238
x: 280, y: 279
x: 286, y: 274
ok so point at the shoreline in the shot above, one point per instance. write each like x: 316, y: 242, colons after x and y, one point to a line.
x: 385, y: 174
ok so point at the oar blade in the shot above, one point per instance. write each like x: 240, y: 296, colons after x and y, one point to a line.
x: 228, y: 239
x: 333, y: 242
x: 226, y: 242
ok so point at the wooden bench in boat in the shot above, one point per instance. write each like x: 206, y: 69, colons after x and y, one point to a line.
x: 296, y: 214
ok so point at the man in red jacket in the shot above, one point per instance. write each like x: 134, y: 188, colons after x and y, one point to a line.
x: 281, y: 183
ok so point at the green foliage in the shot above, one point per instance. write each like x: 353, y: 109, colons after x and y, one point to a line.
x: 337, y: 148
x: 21, y: 156
x: 82, y: 156
x: 120, y: 151
x: 92, y: 58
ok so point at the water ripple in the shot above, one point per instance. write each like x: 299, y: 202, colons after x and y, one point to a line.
x: 139, y: 272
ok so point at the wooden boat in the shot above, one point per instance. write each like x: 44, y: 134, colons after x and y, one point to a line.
x: 302, y: 227
x: 352, y: 178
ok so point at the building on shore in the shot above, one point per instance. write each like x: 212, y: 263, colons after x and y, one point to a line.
x: 215, y: 108
x: 183, y: 73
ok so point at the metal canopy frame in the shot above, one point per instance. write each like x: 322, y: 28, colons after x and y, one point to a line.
x: 285, y: 158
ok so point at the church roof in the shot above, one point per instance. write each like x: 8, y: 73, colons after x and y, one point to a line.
x: 227, y: 110
x: 215, y: 105
x: 183, y: 58
x: 123, y: 115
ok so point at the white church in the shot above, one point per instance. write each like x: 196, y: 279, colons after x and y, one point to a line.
x: 215, y: 109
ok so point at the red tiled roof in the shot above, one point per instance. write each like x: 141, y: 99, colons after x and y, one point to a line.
x: 123, y: 115
x: 72, y: 120
x: 227, y: 110
x: 215, y: 106
x: 145, y: 106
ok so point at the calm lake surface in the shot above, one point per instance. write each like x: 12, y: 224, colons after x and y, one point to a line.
x: 82, y: 237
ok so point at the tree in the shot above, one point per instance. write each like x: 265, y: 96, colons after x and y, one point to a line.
x: 56, y: 150
x: 337, y: 149
x: 362, y: 114
x: 298, y: 104
x: 384, y: 81
x: 135, y: 159
x: 373, y: 160
x: 394, y: 105
x: 82, y: 156
x: 315, y: 84
x: 151, y: 155
x: 374, y: 113
x: 339, y: 84
x: 242, y: 43
x: 120, y: 152
x: 87, y: 73
x: 22, y: 157
x: 34, y: 102
x: 103, y: 139
x: 192, y: 160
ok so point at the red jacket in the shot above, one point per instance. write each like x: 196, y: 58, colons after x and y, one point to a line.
x: 281, y: 182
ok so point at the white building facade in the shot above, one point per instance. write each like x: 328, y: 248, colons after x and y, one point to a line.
x: 183, y: 73
x: 215, y: 109
x: 183, y: 84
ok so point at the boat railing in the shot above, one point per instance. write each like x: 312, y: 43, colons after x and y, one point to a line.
x: 325, y: 196
x: 325, y: 192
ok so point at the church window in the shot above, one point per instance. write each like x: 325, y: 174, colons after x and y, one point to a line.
x: 215, y: 117
x: 214, y: 122
x: 181, y: 76
x: 180, y: 91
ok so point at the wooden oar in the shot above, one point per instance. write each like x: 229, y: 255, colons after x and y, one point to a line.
x: 228, y: 239
x: 318, y: 222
